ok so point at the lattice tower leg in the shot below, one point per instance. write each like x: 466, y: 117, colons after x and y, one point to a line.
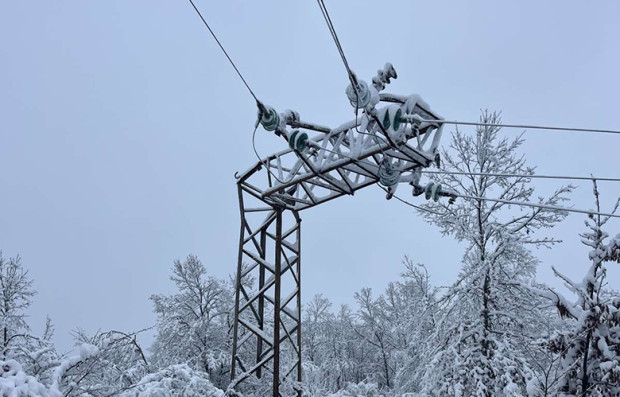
x: 267, y: 322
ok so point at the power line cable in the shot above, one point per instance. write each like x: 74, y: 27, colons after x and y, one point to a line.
x: 334, y: 35
x: 353, y: 80
x: 539, y: 127
x: 538, y: 205
x: 534, y: 176
x: 411, y: 204
x: 258, y: 156
x: 224, y: 51
x: 511, y: 202
x: 523, y: 203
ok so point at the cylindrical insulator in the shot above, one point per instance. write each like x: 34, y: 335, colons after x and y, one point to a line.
x: 437, y: 192
x: 298, y: 140
x: 270, y: 119
x: 397, y: 121
x: 383, y: 76
x: 388, y: 175
x: 428, y: 191
x: 362, y: 97
x: 432, y: 191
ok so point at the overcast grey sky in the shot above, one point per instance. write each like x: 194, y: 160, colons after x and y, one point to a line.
x: 121, y: 126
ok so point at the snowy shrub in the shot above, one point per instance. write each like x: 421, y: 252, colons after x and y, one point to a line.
x: 359, y: 390
x: 15, y: 383
x: 174, y: 381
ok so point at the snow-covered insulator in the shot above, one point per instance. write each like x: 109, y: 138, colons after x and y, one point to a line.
x: 269, y: 118
x: 391, y: 117
x: 290, y: 116
x: 298, y: 140
x: 362, y: 97
x: 388, y: 175
x: 432, y: 191
x: 383, y: 76
x: 417, y: 190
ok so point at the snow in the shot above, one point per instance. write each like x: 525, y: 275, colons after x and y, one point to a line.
x: 86, y: 351
x: 175, y: 381
x: 15, y: 383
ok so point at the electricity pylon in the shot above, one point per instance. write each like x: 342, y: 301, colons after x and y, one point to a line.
x: 391, y: 139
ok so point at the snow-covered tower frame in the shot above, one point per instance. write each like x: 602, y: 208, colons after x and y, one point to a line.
x: 391, y: 138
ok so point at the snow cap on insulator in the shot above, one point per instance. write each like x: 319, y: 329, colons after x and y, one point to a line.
x: 290, y: 115
x: 383, y: 76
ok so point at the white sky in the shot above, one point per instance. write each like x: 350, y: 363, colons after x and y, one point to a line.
x: 121, y: 126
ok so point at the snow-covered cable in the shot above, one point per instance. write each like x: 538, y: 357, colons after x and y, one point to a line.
x: 536, y: 176
x: 224, y: 51
x: 539, y: 127
x: 537, y: 205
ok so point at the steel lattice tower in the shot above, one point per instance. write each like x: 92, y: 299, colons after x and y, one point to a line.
x: 389, y: 141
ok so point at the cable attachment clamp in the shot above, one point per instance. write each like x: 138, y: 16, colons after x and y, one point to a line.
x: 268, y: 117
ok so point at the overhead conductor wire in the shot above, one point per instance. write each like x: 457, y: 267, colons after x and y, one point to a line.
x: 353, y: 80
x: 259, y: 104
x: 533, y: 176
x: 334, y: 35
x: 535, y: 127
x: 521, y: 203
x: 224, y: 50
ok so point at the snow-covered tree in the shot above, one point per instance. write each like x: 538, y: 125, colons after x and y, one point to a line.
x: 377, y: 333
x: 38, y: 355
x: 332, y: 350
x: 174, y: 381
x: 474, y: 350
x: 378, y: 343
x: 15, y: 382
x: 410, y: 305
x: 104, y: 364
x: 193, y: 324
x: 16, y: 294
x: 590, y: 351
x: 35, y: 354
